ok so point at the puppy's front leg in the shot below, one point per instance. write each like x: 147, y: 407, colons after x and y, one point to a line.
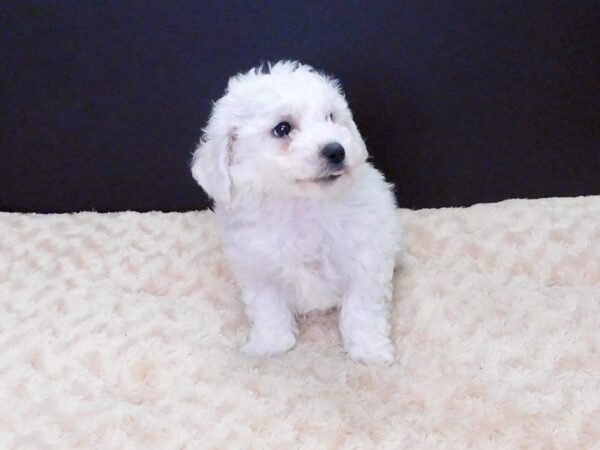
x: 365, y: 319
x: 272, y: 324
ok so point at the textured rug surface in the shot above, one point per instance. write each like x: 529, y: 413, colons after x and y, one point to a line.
x: 122, y: 331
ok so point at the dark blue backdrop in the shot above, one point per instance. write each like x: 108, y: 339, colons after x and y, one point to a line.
x: 460, y: 102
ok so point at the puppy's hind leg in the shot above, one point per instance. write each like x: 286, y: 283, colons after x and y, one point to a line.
x: 273, y: 327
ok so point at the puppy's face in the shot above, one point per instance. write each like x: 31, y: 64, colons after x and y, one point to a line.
x: 286, y: 132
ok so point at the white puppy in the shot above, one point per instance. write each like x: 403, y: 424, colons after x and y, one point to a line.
x: 306, y: 223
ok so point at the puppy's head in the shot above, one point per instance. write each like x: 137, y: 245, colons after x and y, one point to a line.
x: 283, y: 130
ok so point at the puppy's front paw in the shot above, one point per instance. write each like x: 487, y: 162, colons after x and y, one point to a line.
x: 375, y: 350
x: 268, y: 344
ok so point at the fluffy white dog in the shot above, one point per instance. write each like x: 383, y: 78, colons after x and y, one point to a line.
x: 306, y: 223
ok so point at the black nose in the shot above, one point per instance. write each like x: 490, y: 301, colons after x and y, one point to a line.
x: 333, y: 153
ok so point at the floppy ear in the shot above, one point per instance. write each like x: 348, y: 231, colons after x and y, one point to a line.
x: 210, y: 166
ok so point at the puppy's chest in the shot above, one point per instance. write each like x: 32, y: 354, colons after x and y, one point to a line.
x: 297, y: 243
x: 308, y: 264
x: 304, y: 242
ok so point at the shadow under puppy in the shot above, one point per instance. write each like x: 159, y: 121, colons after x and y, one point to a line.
x: 306, y: 222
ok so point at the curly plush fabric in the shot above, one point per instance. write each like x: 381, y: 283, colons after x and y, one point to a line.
x: 123, y: 331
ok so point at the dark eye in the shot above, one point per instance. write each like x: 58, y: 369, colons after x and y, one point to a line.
x: 282, y: 129
x: 330, y: 117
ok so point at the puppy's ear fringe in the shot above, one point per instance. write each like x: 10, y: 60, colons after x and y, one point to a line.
x: 210, y: 167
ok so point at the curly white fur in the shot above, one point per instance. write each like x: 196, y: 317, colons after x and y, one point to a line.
x: 297, y: 238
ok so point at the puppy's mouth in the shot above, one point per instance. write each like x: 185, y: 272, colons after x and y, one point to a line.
x: 327, y: 178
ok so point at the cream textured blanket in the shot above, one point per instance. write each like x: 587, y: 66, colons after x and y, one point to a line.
x: 122, y: 331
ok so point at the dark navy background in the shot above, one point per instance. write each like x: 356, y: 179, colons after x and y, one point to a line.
x: 460, y: 101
